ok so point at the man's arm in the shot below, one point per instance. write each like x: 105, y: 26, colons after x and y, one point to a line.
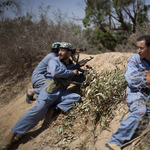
x: 134, y: 77
x: 59, y: 71
x: 79, y: 77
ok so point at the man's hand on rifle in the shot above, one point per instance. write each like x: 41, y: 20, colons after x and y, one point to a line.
x: 76, y: 72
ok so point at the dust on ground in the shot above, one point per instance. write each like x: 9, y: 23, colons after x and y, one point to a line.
x: 43, y: 139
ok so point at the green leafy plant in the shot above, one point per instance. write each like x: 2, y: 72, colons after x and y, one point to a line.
x: 101, y: 94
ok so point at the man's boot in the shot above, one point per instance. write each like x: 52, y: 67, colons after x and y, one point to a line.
x: 112, y: 146
x: 7, y: 141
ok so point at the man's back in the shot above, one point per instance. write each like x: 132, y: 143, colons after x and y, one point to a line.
x: 42, y: 66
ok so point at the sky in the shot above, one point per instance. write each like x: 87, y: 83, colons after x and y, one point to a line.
x: 76, y: 7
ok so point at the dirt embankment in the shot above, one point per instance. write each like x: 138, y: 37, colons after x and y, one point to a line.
x: 43, y: 139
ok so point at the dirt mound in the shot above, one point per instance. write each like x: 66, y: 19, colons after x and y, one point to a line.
x: 38, y: 139
x: 110, y: 61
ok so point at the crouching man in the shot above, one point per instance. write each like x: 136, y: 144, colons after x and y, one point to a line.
x: 38, y: 78
x: 138, y: 94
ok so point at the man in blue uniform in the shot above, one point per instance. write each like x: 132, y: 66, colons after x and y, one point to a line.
x: 38, y: 78
x: 59, y: 73
x: 138, y: 93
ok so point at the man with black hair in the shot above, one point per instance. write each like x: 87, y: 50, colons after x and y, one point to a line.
x: 38, y: 78
x: 137, y: 93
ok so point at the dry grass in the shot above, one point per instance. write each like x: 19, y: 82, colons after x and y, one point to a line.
x: 103, y: 93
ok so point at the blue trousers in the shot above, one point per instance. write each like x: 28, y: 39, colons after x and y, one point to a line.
x: 37, y: 86
x: 63, y: 99
x: 138, y: 109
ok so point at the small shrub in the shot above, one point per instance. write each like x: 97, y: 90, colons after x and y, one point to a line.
x: 104, y: 92
x: 101, y: 94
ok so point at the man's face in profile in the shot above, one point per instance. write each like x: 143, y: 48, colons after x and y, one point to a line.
x: 143, y: 50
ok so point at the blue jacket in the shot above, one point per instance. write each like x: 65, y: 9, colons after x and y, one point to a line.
x: 42, y: 67
x: 57, y: 69
x: 136, y: 81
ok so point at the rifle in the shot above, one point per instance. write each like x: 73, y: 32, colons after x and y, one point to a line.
x: 83, y: 61
x: 76, y: 59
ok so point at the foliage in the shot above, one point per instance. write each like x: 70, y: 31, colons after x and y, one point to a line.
x: 4, y: 4
x: 24, y: 39
x: 104, y: 91
x: 101, y: 94
x: 131, y: 40
x: 14, y: 7
x: 108, y: 18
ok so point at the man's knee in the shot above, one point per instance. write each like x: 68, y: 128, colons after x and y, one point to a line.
x: 138, y: 108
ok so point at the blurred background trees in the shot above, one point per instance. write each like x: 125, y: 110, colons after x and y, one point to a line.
x: 109, y: 25
x: 113, y: 21
x: 27, y: 37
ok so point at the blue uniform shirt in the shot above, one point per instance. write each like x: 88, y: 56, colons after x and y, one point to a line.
x: 136, y: 81
x: 58, y: 70
x: 41, y: 68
